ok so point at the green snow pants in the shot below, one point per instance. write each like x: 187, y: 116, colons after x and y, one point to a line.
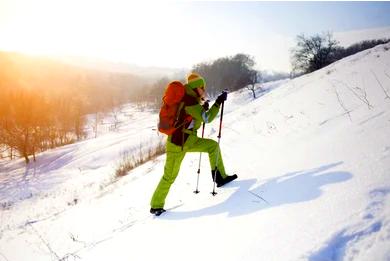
x: 175, y: 155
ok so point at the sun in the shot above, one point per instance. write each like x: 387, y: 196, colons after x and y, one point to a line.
x: 122, y: 31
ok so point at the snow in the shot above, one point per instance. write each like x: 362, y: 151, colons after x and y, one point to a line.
x: 313, y: 159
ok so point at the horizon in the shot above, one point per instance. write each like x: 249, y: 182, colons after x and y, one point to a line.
x: 140, y: 33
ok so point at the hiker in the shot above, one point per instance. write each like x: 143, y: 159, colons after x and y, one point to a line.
x: 185, y: 140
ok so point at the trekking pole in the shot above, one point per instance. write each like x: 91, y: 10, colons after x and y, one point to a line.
x: 219, y: 150
x: 200, y: 159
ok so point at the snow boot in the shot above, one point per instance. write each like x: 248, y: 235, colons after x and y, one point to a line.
x: 222, y: 181
x: 157, y: 211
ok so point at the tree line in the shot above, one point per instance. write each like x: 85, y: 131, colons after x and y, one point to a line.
x: 43, y: 103
x: 230, y: 72
x: 315, y: 52
x: 235, y: 72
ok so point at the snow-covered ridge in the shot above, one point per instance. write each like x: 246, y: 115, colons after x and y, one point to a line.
x: 313, y: 159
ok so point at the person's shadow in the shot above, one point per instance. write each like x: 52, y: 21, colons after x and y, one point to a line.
x: 290, y: 188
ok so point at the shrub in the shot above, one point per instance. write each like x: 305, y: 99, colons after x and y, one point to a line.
x: 131, y: 159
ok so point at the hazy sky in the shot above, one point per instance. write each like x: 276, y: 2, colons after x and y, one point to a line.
x: 177, y: 34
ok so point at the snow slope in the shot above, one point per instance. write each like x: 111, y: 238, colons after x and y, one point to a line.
x: 313, y: 159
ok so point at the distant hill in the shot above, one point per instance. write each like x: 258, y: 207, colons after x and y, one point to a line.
x: 53, y: 76
x: 151, y: 73
x: 352, y: 37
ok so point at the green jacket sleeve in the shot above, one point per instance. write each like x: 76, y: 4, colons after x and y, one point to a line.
x: 199, y: 114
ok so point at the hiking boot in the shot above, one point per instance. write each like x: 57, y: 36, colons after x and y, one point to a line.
x: 157, y: 211
x: 226, y: 180
x: 222, y: 181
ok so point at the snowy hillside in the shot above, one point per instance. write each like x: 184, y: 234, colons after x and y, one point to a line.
x: 313, y: 159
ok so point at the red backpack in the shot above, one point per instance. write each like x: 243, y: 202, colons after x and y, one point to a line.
x: 169, y: 117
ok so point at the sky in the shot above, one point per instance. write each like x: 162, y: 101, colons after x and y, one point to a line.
x: 177, y: 34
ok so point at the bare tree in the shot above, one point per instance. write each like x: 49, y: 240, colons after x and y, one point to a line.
x: 255, y: 77
x: 115, y: 112
x: 228, y: 72
x: 95, y: 122
x: 79, y: 119
x: 313, y: 53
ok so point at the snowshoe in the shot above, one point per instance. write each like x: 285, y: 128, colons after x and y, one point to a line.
x: 157, y: 211
x: 222, y: 181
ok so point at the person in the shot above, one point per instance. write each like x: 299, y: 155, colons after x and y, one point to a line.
x: 185, y: 140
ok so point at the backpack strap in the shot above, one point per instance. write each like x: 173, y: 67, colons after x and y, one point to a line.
x: 179, y: 137
x: 178, y: 114
x: 190, y: 132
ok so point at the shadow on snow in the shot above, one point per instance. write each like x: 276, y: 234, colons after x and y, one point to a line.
x: 371, y: 223
x: 290, y: 188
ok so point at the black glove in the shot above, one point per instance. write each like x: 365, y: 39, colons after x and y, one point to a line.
x: 221, y: 98
x: 206, y: 105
